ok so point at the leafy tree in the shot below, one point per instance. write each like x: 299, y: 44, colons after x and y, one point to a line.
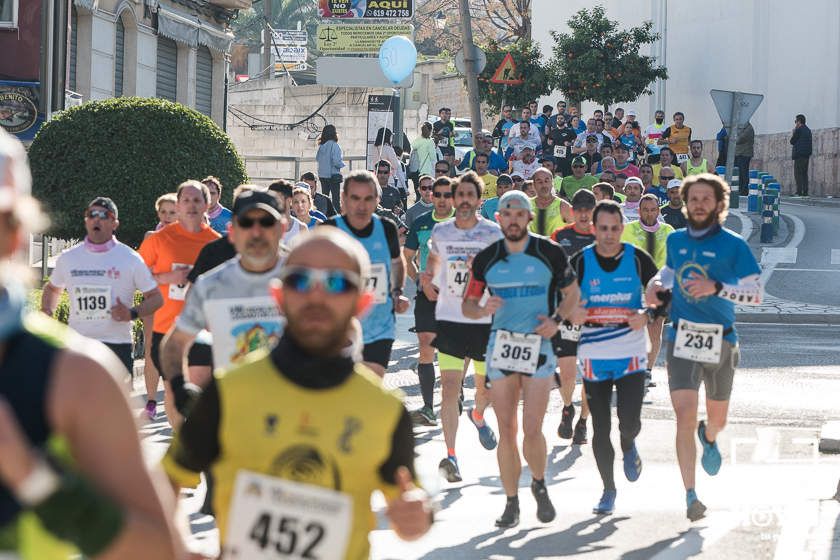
x: 132, y: 150
x: 537, y: 80
x: 285, y: 14
x: 599, y: 62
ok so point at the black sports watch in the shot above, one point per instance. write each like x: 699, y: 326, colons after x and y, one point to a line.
x: 133, y: 313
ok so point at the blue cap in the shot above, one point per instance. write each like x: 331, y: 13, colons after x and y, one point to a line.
x: 514, y: 200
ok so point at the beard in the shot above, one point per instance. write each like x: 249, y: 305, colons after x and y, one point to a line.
x: 710, y: 220
x: 659, y: 121
x: 319, y: 342
x: 515, y: 233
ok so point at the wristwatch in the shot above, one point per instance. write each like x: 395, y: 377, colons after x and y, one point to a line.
x: 133, y: 312
x: 718, y: 287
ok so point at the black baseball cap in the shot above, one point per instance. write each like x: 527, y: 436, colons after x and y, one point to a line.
x: 105, y: 203
x: 583, y: 198
x: 263, y: 200
x: 504, y: 179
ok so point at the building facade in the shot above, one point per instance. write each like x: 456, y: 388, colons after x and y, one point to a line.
x: 173, y: 49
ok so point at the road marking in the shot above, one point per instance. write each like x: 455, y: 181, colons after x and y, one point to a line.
x: 798, y: 236
x: 807, y: 269
x: 779, y: 255
x: 835, y: 256
x: 700, y: 538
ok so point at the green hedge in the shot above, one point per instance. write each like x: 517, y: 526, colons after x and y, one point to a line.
x: 131, y: 149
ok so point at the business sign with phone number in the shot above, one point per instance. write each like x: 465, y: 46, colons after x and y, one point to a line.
x: 366, y: 8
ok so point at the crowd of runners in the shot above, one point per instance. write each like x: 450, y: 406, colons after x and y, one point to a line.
x: 566, y: 254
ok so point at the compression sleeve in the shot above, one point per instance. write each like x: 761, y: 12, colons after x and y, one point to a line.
x: 748, y: 291
x: 196, y: 446
x: 665, y: 277
x: 402, y: 450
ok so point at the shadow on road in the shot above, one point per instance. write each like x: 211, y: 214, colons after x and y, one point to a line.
x: 580, y: 538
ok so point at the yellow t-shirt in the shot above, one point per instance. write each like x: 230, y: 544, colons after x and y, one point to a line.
x: 489, y: 186
x: 546, y: 220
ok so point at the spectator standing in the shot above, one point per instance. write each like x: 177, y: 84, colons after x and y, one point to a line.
x: 744, y: 150
x: 443, y: 133
x: 424, y: 153
x: 677, y: 136
x: 330, y: 164
x: 722, y: 145
x: 802, y: 149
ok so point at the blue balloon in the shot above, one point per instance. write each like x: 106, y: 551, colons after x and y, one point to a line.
x: 397, y: 58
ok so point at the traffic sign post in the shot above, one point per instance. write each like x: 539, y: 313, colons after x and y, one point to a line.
x: 735, y: 109
x: 479, y: 57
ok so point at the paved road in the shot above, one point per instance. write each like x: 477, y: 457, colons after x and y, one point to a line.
x: 814, y: 274
x: 768, y: 501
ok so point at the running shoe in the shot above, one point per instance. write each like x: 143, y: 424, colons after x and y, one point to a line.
x: 151, y: 410
x: 485, y: 433
x: 545, y: 509
x: 448, y: 469
x: 632, y: 464
x: 425, y: 416
x: 510, y: 517
x: 607, y: 504
x: 711, y: 454
x: 695, y: 509
x: 564, y: 430
x: 580, y: 433
x: 649, y: 378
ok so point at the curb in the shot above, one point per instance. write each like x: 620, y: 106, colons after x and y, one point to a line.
x: 830, y: 438
x: 789, y: 318
x: 823, y: 202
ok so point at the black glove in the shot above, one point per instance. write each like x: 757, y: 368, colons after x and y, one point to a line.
x: 184, y: 393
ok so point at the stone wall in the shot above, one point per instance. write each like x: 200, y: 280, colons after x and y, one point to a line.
x: 772, y: 154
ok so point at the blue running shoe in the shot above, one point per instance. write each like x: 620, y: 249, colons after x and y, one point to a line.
x: 607, y: 504
x: 695, y: 510
x: 632, y: 464
x: 711, y: 454
x: 449, y: 470
x: 485, y: 433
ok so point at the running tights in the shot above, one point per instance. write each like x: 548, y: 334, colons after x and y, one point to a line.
x: 630, y: 391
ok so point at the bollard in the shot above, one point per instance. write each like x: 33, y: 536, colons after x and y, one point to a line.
x: 734, y: 190
x: 767, y: 226
x: 771, y: 199
x: 752, y: 197
x: 775, y: 190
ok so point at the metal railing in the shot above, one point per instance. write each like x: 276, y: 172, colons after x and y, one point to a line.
x: 293, y: 164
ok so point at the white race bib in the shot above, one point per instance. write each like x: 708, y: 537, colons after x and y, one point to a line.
x: 377, y: 283
x: 273, y: 519
x: 516, y: 352
x: 91, y: 303
x: 560, y: 151
x: 569, y: 332
x: 457, y: 274
x: 443, y: 142
x: 698, y: 342
x: 682, y: 158
x: 178, y: 291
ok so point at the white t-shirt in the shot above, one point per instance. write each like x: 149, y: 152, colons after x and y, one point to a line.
x: 94, y: 281
x: 524, y: 170
x: 295, y: 227
x: 237, y: 309
x: 455, y: 247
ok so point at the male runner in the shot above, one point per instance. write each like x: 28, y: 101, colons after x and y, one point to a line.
x: 232, y: 301
x: 504, y: 183
x: 673, y: 212
x: 218, y: 215
x: 379, y: 236
x: 63, y: 470
x: 633, y: 192
x: 613, y: 341
x: 417, y: 245
x: 101, y: 275
x: 696, y: 163
x: 425, y: 204
x: 650, y: 234
x: 525, y: 275
x: 550, y: 211
x: 709, y: 269
x: 304, y: 422
x: 170, y: 253
x: 285, y: 190
x: 573, y: 238
x: 459, y: 338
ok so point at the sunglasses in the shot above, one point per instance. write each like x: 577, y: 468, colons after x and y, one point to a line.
x: 442, y: 194
x: 425, y: 188
x: 265, y: 222
x: 664, y: 178
x: 101, y: 214
x: 333, y: 281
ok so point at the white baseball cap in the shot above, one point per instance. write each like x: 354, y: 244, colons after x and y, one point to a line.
x: 674, y: 184
x: 634, y: 180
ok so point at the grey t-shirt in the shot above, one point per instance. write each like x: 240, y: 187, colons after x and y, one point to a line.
x: 417, y: 210
x: 236, y: 307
